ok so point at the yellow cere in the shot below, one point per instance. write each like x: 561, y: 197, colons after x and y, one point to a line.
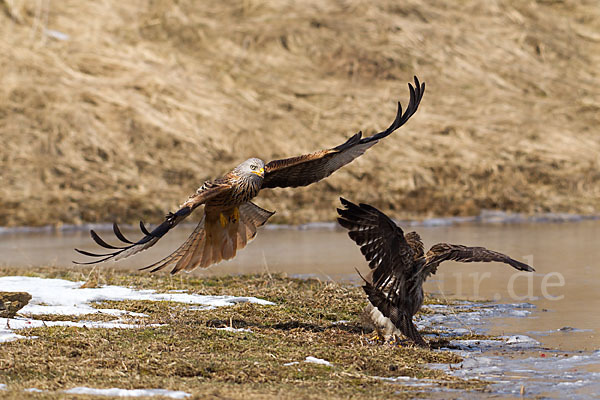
x: 260, y: 172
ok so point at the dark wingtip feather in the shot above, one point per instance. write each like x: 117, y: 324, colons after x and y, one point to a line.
x: 93, y: 262
x: 143, y: 229
x: 158, y: 268
x: 345, y: 223
x: 87, y: 253
x: 362, y: 277
x: 160, y: 264
x: 521, y: 266
x: 416, y: 94
x: 119, y: 234
x: 101, y: 242
x: 356, y: 138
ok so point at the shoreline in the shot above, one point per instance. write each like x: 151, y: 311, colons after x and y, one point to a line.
x: 484, y: 218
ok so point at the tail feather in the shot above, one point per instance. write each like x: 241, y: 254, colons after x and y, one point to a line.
x: 217, y: 237
x: 181, y: 251
x: 194, y: 247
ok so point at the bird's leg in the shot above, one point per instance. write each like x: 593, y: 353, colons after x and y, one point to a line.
x: 223, y: 220
x: 236, y: 215
x: 378, y: 336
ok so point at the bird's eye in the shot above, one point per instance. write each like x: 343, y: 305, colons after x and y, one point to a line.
x: 253, y: 167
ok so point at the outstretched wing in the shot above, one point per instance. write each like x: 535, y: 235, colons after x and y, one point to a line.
x: 206, y: 192
x: 381, y: 241
x: 444, y: 251
x: 309, y: 168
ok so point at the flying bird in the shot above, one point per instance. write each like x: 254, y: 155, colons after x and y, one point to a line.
x: 230, y: 218
x: 399, y: 266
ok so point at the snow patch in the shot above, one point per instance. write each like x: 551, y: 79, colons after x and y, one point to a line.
x: 521, y: 340
x: 232, y: 329
x: 340, y: 322
x: 314, y: 360
x: 58, y: 296
x: 291, y: 363
x: 7, y: 335
x: 115, y: 392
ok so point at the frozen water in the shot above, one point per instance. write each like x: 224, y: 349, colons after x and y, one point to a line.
x: 511, y: 362
x: 555, y: 375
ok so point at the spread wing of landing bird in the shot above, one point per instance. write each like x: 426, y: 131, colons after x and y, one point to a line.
x: 399, y: 266
x: 230, y: 218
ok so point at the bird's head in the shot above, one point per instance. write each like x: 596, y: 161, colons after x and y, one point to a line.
x: 251, y: 167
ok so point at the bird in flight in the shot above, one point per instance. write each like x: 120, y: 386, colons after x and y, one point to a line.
x: 399, y: 266
x: 230, y: 218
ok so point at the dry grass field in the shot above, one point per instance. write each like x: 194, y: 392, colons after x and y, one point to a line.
x: 120, y: 109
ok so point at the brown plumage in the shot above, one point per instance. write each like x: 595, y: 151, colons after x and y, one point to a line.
x: 230, y: 219
x: 399, y: 266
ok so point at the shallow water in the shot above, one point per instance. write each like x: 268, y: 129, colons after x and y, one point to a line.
x: 517, y: 365
x: 557, y: 306
x: 564, y: 287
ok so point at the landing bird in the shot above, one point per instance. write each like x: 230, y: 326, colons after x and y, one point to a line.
x: 399, y: 266
x: 230, y: 219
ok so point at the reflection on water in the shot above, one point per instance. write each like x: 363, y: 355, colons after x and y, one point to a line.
x: 563, y: 289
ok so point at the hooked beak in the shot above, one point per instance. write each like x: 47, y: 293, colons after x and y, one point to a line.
x: 260, y: 172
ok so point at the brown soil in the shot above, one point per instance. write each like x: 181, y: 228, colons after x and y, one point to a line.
x: 144, y: 101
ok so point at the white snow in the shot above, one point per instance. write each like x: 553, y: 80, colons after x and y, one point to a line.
x: 7, y: 335
x: 58, y: 296
x: 115, y: 392
x: 232, y: 329
x: 522, y: 340
x: 408, y: 381
x: 340, y: 322
x: 8, y: 325
x: 22, y: 323
x: 314, y: 360
x: 2, y: 386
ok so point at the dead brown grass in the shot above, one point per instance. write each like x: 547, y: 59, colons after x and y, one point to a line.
x: 187, y: 352
x: 146, y: 100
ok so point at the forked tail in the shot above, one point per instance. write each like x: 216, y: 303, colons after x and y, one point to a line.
x: 218, y: 236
